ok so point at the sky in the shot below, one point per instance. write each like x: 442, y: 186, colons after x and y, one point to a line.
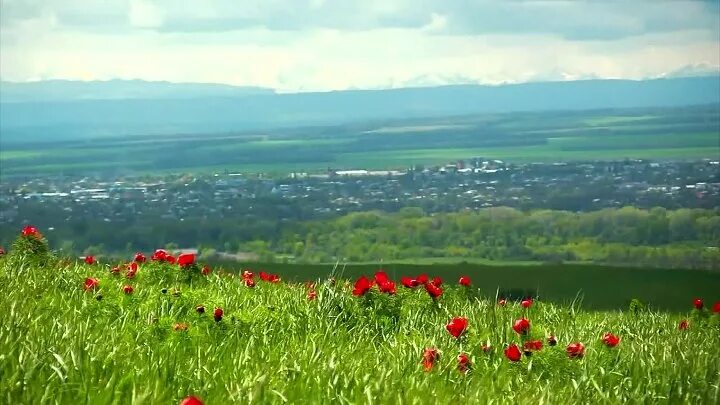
x: 321, y: 45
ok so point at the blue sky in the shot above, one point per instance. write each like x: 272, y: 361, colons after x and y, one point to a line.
x: 309, y: 45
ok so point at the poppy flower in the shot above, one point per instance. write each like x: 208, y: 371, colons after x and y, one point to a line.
x: 552, y: 341
x: 464, y: 281
x: 716, y: 307
x: 89, y: 259
x: 191, y: 400
x: 463, y: 363
x: 264, y: 276
x: 362, y: 286
x: 127, y: 289
x: 521, y: 326
x: 381, y: 277
x: 218, y: 314
x: 180, y: 327
x: 526, y: 303
x: 502, y: 302
x: 387, y: 287
x: 200, y: 309
x: 422, y: 279
x: 30, y: 230
x: 205, y: 270
x: 247, y: 274
x: 457, y: 326
x: 409, y: 282
x: 437, y: 281
x: 159, y: 254
x: 533, y: 345
x: 610, y: 340
x: 512, y: 352
x: 139, y: 258
x: 115, y: 270
x: 311, y: 295
x: 170, y: 259
x: 249, y: 282
x: 91, y: 283
x: 575, y: 350
x: 186, y: 259
x: 433, y: 290
x: 698, y: 303
x: 683, y: 325
x: 430, y: 356
x: 274, y: 278
x: 131, y: 271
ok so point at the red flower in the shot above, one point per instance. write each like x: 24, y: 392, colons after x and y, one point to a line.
x: 464, y: 281
x: 247, y: 274
x: 90, y: 259
x: 422, y: 279
x: 127, y: 289
x: 533, y: 345
x: 502, y: 302
x: 437, y: 281
x: 387, y: 287
x: 698, y: 303
x: 191, y: 400
x: 575, y: 350
x: 170, y: 259
x: 264, y: 276
x: 205, y: 270
x: 362, y: 286
x: 430, y: 355
x: 526, y: 303
x: 433, y: 290
x: 463, y: 363
x: 132, y: 270
x: 716, y: 307
x: 218, y: 314
x: 91, y: 283
x: 409, y: 282
x: 2, y: 251
x: 521, y: 326
x: 381, y: 277
x: 551, y: 340
x: 610, y: 340
x: 457, y: 326
x: 186, y: 259
x: 30, y: 230
x: 513, y: 353
x: 200, y: 309
x: 311, y: 295
x: 683, y: 325
x: 139, y: 258
x: 250, y: 282
x: 159, y: 254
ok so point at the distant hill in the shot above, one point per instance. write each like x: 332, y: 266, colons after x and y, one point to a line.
x: 78, y: 110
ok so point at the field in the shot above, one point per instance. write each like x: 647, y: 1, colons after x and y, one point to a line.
x: 74, y: 332
x: 680, y: 133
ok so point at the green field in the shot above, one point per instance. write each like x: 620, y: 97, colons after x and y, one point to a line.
x: 61, y: 342
x: 662, y: 134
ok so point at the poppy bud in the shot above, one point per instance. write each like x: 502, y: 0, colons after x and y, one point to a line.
x: 698, y: 303
x: 218, y: 314
x: 464, y: 281
x: 128, y: 289
x: 526, y: 303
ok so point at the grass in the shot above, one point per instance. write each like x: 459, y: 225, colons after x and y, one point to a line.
x: 61, y: 344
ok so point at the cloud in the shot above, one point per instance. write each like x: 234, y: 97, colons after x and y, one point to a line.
x: 145, y: 14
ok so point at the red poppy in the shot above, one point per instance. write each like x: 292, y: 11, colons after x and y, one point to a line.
x: 698, y: 303
x: 437, y: 281
x: 422, y: 279
x: 127, y: 289
x: 139, y: 258
x: 250, y: 282
x: 575, y: 350
x: 311, y: 295
x: 457, y: 326
x: 159, y: 254
x: 170, y: 259
x: 433, y: 290
x: 30, y: 230
x: 205, y: 270
x: 409, y: 282
x: 526, y: 303
x: 387, y: 287
x: 247, y: 274
x: 533, y: 345
x: 464, y: 281
x: 200, y: 309
x: 264, y: 276
x: 191, y: 400
x: 218, y: 314
x: 362, y: 286
x: 274, y: 278
x: 90, y: 259
x: 463, y: 363
x: 186, y: 259
x: 610, y: 340
x: 132, y: 270
x: 684, y: 325
x: 502, y: 302
x: 180, y: 327
x: 552, y: 341
x: 430, y: 355
x: 381, y: 277
x: 521, y: 326
x: 91, y: 283
x: 513, y: 353
x: 716, y: 307
x: 115, y: 270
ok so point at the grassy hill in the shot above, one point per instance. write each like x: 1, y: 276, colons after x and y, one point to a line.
x: 74, y: 332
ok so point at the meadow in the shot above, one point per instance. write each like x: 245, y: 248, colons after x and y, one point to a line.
x: 689, y: 133
x: 157, y: 329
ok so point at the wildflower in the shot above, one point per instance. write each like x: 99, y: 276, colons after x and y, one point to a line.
x: 409, y: 282
x: 502, y: 302
x: 139, y: 258
x: 433, y: 290
x: 526, y: 303
x: 90, y: 259
x: 159, y: 255
x: 247, y: 274
x: 533, y: 345
x: 698, y: 303
x: 249, y: 282
x: 186, y: 259
x: 610, y: 340
x: 362, y: 286
x: 463, y: 363
x: 575, y: 350
x: 91, y: 283
x: 381, y: 277
x: 30, y: 230
x: 457, y: 326
x: 170, y: 259
x: 272, y: 278
x: 180, y: 327
x: 512, y: 352
x: 191, y: 400
x: 422, y: 279
x: 387, y: 287
x: 200, y: 309
x: 521, y: 326
x: 716, y: 308
x: 464, y: 281
x: 205, y: 270
x: 218, y: 314
x: 115, y: 270
x: 430, y: 355
x: 127, y: 289
x: 437, y: 281
x: 683, y: 325
x: 311, y: 295
x: 552, y: 341
x: 131, y: 271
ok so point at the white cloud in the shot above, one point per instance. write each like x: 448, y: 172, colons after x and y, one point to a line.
x: 145, y: 14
